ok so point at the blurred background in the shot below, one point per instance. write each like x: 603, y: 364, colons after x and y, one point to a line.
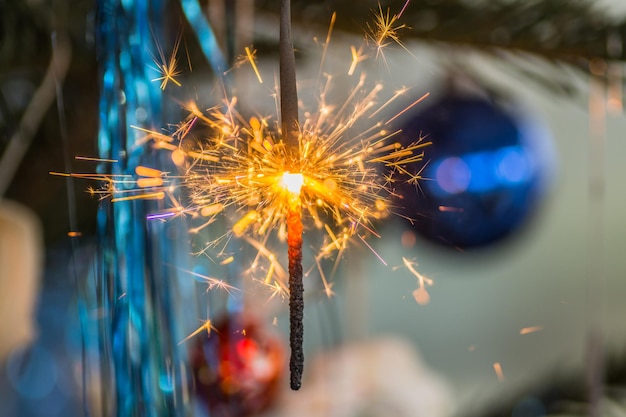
x: 515, y: 303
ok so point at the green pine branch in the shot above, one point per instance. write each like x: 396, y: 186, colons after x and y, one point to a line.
x: 571, y: 31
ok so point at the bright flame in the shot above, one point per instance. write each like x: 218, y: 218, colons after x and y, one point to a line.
x: 292, y: 182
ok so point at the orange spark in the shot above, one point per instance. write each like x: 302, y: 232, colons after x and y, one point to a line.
x: 328, y: 36
x: 88, y: 158
x: 160, y: 195
x: 168, y: 68
x: 147, y: 172
x: 357, y: 56
x: 498, y: 370
x: 451, y: 209
x: 531, y: 329
x: 213, y: 283
x: 206, y: 325
x: 420, y: 294
x: 385, y: 29
x: 149, y: 182
x: 407, y: 108
x: 250, y: 55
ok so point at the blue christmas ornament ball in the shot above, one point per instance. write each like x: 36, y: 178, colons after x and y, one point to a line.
x: 486, y: 170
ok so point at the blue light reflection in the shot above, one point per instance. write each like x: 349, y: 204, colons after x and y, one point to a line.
x: 480, y: 172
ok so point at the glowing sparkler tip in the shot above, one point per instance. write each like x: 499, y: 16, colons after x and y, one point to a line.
x: 292, y: 182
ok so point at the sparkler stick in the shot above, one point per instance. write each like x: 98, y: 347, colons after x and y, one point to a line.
x: 290, y: 133
x: 296, y: 290
x: 288, y: 91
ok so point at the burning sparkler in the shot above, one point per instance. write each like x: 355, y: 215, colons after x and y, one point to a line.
x: 292, y: 181
x: 325, y: 172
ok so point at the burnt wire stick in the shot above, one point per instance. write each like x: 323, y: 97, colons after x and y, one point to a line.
x: 290, y: 134
x: 296, y: 291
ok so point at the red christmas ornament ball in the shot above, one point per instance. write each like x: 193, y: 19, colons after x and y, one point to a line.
x: 238, y: 367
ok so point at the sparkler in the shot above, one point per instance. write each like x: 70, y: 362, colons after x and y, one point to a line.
x: 334, y: 171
